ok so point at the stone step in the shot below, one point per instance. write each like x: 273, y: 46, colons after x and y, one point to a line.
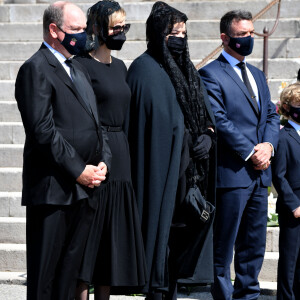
x: 272, y: 239
x: 7, y: 88
x: 10, y: 179
x: 12, y: 230
x: 9, y: 111
x: 17, y: 51
x: 198, y: 10
x: 269, y: 268
x: 10, y: 205
x: 206, y: 29
x: 277, y: 67
x: 13, y: 284
x: 275, y: 87
x: 278, y: 48
x: 19, y: 278
x: 15, y: 278
x: 13, y: 257
x: 11, y: 132
x: 11, y: 155
x: 14, y: 291
x: 268, y: 288
x: 9, y: 69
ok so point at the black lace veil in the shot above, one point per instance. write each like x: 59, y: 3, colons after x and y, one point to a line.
x: 187, y: 83
x: 183, y: 74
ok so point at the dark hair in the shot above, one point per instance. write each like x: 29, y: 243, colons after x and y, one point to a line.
x: 53, y: 14
x: 238, y: 15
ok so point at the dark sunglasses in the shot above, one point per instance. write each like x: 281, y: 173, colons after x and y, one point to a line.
x: 117, y: 29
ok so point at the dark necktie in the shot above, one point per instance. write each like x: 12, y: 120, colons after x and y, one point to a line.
x: 242, y: 66
x: 81, y: 84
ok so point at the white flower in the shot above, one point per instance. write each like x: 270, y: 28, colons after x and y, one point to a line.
x: 271, y: 205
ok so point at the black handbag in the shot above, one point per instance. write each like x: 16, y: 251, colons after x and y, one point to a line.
x: 197, y: 208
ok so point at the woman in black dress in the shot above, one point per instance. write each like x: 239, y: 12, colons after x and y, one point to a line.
x: 114, y: 255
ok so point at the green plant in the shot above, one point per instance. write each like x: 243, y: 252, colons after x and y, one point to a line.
x: 273, y: 220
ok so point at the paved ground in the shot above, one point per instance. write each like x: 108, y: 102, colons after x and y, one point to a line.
x: 18, y: 292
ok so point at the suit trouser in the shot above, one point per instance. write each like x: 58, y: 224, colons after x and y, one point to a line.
x: 56, y: 237
x: 241, y: 219
x: 288, y: 284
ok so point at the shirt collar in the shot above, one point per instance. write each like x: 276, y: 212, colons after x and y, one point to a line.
x: 295, y: 125
x: 57, y: 54
x: 232, y: 60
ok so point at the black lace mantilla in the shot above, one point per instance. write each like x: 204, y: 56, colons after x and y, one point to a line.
x: 184, y: 76
x: 185, y: 79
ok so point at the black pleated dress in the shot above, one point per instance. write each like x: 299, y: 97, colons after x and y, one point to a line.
x: 114, y: 254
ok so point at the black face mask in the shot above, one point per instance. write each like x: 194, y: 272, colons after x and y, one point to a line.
x: 115, y: 42
x: 295, y: 113
x: 243, y: 46
x: 176, y: 45
x: 74, y: 42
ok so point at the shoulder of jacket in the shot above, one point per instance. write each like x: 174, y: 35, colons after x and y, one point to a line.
x: 283, y: 134
x: 35, y: 63
x: 145, y: 63
x: 213, y: 64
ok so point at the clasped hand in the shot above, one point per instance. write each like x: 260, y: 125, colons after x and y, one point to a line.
x: 262, y: 155
x: 202, y: 146
x: 296, y: 212
x: 93, y: 175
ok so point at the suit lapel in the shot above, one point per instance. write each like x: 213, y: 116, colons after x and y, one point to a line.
x: 63, y: 75
x: 230, y: 71
x: 94, y: 110
x: 292, y: 132
x: 93, y: 106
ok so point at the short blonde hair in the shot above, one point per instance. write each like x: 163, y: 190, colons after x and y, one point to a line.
x: 288, y: 95
x: 116, y: 17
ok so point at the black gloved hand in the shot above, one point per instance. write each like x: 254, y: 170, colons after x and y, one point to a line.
x: 202, y: 146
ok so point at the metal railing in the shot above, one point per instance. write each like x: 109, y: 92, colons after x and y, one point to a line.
x: 266, y: 34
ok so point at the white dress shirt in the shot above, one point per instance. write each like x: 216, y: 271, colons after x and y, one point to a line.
x: 233, y: 62
x: 295, y: 125
x: 60, y: 58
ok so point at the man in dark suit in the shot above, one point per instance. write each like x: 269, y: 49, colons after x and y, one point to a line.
x: 65, y: 156
x: 248, y: 128
x: 286, y: 179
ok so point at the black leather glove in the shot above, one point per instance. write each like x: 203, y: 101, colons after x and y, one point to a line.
x: 202, y: 146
